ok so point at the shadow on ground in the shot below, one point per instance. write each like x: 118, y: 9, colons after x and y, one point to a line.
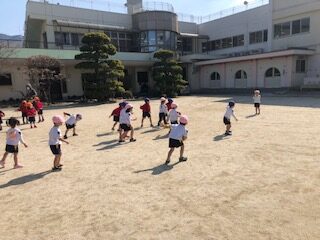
x: 25, y: 179
x: 159, y: 169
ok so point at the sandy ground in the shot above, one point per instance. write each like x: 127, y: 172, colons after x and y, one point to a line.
x: 261, y: 184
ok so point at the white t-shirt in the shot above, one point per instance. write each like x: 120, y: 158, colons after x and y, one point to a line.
x: 72, y: 120
x: 14, y: 136
x: 173, y: 115
x: 54, y: 136
x: 163, y: 108
x: 178, y: 131
x: 125, y: 117
x: 257, y: 99
x: 229, y: 113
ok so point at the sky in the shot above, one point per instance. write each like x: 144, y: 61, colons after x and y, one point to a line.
x: 12, y: 12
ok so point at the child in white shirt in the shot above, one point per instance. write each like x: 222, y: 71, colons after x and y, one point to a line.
x: 257, y: 101
x: 125, y: 123
x: 177, y: 136
x: 71, y: 123
x: 55, y: 139
x: 227, y: 118
x: 163, y: 111
x: 173, y: 115
x: 14, y: 137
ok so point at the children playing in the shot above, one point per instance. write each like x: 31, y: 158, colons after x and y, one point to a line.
x: 14, y: 137
x: 173, y: 115
x: 257, y: 101
x: 38, y: 105
x: 227, y: 118
x: 146, y: 111
x: 55, y: 142
x: 177, y: 136
x: 169, y: 104
x: 71, y: 123
x: 1, y: 116
x: 163, y: 111
x: 31, y: 113
x: 125, y: 123
x: 116, y: 115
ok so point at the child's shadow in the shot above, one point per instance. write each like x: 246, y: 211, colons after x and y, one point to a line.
x: 154, y: 129
x: 158, y: 169
x: 25, y: 179
x: 161, y: 137
x: 105, y: 134
x: 220, y: 137
x: 251, y: 116
x: 109, y: 145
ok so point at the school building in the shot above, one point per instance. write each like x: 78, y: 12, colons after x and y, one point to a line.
x: 266, y: 44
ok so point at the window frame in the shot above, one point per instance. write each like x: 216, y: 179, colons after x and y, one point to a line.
x: 215, y: 76
x: 8, y: 82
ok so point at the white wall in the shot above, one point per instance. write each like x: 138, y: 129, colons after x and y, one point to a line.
x: 238, y: 24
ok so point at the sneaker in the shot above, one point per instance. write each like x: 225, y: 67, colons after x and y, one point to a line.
x: 151, y: 125
x: 75, y: 134
x: 65, y: 137
x: 35, y: 126
x: 17, y: 166
x: 141, y: 126
x: 56, y: 169
x: 121, y: 141
x: 167, y: 162
x: 228, y: 134
x: 183, y: 159
x: 133, y: 140
x: 31, y: 127
x: 112, y: 129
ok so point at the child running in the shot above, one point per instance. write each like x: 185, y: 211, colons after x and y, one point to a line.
x: 1, y: 116
x: 14, y: 137
x: 116, y: 115
x: 71, y: 123
x: 257, y: 101
x: 55, y: 142
x: 177, y: 136
x: 163, y: 111
x: 227, y: 118
x: 38, y: 105
x: 173, y: 114
x: 146, y: 111
x: 125, y: 123
x: 31, y: 113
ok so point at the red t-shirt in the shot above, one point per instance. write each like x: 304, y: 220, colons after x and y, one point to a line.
x: 116, y: 112
x: 38, y: 105
x: 169, y: 106
x: 145, y: 108
x: 31, y: 112
x: 23, y: 108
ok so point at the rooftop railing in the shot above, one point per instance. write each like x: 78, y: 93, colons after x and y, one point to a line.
x: 154, y: 6
x: 223, y: 13
x: 111, y: 6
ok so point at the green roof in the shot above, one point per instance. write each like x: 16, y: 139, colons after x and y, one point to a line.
x: 23, y: 53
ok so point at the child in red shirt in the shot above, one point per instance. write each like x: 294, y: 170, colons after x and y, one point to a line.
x: 146, y: 111
x: 116, y: 115
x: 23, y: 109
x: 31, y: 113
x: 169, y: 103
x: 38, y: 105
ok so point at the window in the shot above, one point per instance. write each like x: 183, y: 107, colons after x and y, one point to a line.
x: 282, y: 29
x: 241, y: 75
x: 5, y: 79
x: 301, y: 66
x: 74, y: 39
x: 215, y: 76
x: 258, y: 37
x: 187, y: 44
x: 227, y: 42
x: 305, y: 25
x: 273, y: 72
x: 205, y: 47
x: 238, y: 41
x: 62, y: 38
x: 296, y: 27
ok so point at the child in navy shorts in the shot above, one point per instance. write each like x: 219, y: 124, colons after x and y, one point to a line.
x: 14, y: 137
x: 227, y: 118
x: 177, y: 136
x: 55, y: 140
x: 116, y: 115
x: 146, y: 111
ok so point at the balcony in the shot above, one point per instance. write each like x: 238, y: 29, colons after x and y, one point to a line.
x: 153, y: 6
